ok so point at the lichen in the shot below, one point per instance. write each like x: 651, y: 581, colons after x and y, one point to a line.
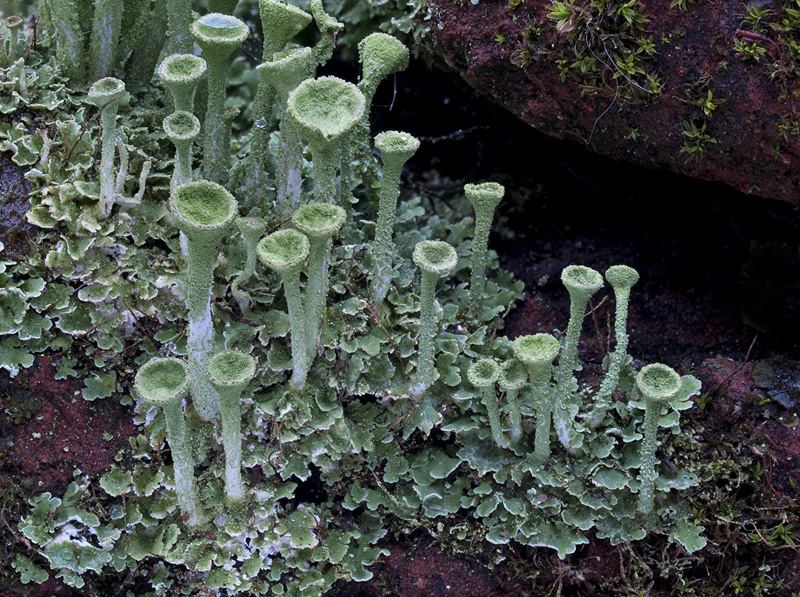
x: 353, y: 411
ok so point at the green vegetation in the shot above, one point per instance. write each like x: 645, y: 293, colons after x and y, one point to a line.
x: 297, y: 384
x: 770, y: 35
x: 605, y: 46
x: 697, y: 139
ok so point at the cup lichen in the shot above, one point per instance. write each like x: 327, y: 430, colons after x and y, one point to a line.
x: 538, y: 352
x: 218, y: 35
x: 658, y: 384
x: 164, y: 382
x: 436, y: 259
x: 396, y: 149
x: 204, y: 211
x: 391, y: 416
x: 286, y: 252
x: 181, y: 74
x: 319, y: 222
x: 229, y: 372
x: 325, y: 110
x: 182, y: 129
x: 484, y: 198
x: 106, y: 94
x: 582, y: 283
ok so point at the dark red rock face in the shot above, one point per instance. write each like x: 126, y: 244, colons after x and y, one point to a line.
x: 755, y: 150
x: 14, y: 227
x: 52, y: 430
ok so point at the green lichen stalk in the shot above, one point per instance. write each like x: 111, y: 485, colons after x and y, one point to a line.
x: 513, y: 376
x: 380, y: 56
x: 328, y: 27
x: 14, y: 25
x: 222, y: 6
x: 658, y: 384
x: 537, y: 352
x: 218, y: 36
x: 283, y: 74
x: 286, y: 252
x: 622, y: 278
x: 436, y: 259
x: 179, y: 23
x: 181, y: 73
x: 229, y: 372
x: 105, y: 37
x: 483, y: 374
x: 319, y: 222
x: 182, y: 128
x: 70, y: 48
x: 106, y: 95
x: 230, y: 114
x: 396, y: 149
x: 252, y: 228
x: 146, y: 55
x: 204, y: 211
x: 165, y: 383
x: 280, y: 23
x: 325, y: 110
x: 581, y: 282
x: 484, y: 199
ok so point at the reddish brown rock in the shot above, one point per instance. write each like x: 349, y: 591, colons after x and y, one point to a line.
x: 51, y: 430
x: 14, y: 227
x: 756, y: 128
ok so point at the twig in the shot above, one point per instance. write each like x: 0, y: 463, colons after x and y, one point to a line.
x: 713, y: 392
x: 230, y: 312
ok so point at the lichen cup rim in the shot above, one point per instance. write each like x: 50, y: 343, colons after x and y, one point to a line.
x: 320, y: 124
x: 658, y: 382
x: 13, y: 21
x: 173, y: 134
x: 513, y: 374
x: 399, y: 58
x: 245, y: 368
x: 483, y: 373
x: 219, y: 192
x: 287, y: 56
x: 536, y: 348
x: 484, y: 194
x: 622, y: 276
x: 287, y: 61
x: 445, y: 254
x: 268, y: 253
x: 162, y: 394
x: 582, y: 277
x: 230, y: 36
x: 105, y: 90
x: 397, y: 143
x: 165, y: 69
x: 319, y: 225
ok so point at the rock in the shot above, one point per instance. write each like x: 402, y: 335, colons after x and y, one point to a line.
x: 14, y: 227
x: 709, y: 91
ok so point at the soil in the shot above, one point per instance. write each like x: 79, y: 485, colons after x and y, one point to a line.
x: 706, y: 267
